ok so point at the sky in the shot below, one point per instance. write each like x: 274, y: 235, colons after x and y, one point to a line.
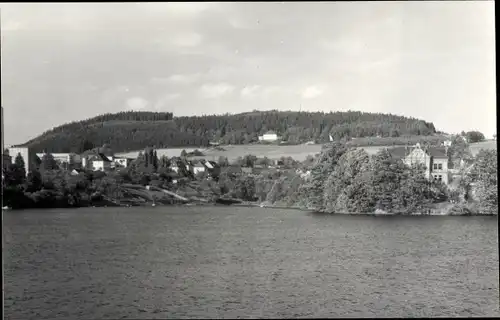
x: 71, y: 61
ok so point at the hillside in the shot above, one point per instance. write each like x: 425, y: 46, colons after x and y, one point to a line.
x: 127, y: 131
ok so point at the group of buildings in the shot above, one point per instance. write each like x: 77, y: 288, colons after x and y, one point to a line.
x: 69, y: 161
x: 102, y: 161
x: 435, y: 160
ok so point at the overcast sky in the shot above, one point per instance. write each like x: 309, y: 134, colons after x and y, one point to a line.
x: 430, y: 60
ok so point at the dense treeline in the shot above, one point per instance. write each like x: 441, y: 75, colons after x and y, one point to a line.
x: 122, y: 136
x: 339, y: 180
x: 120, y: 116
x: 302, y: 126
x: 127, y: 131
x: 347, y: 180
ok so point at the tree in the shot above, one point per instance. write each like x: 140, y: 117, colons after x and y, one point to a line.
x: 20, y: 168
x: 341, y: 189
x: 223, y: 162
x: 183, y: 153
x: 15, y: 174
x: 164, y: 162
x: 155, y: 160
x: 86, y: 145
x: 48, y: 162
x: 484, y: 175
x: 325, y: 165
x: 34, y: 181
x: 474, y: 136
x: 387, y: 173
x: 248, y: 161
x: 458, y: 150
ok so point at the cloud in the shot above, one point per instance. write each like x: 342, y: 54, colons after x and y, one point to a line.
x: 165, y: 52
x: 212, y: 91
x: 184, y: 78
x: 249, y: 90
x: 136, y: 103
x: 11, y: 26
x: 312, y: 92
x: 191, y: 39
x: 165, y: 100
x: 182, y: 9
x: 270, y: 90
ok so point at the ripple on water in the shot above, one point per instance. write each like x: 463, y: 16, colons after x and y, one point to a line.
x: 219, y: 262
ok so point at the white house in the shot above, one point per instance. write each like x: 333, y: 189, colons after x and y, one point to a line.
x: 269, y: 136
x: 97, y: 162
x: 121, y: 162
x: 198, y: 167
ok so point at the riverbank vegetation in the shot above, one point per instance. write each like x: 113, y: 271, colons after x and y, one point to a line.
x: 341, y: 179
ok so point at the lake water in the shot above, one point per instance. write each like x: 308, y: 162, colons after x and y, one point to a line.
x: 228, y: 262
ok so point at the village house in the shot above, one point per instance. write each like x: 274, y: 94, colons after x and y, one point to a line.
x: 196, y: 167
x: 269, y: 136
x: 97, y: 162
x: 212, y: 168
x: 435, y: 160
x: 121, y: 162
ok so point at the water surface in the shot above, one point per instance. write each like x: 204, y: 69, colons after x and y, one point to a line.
x: 223, y: 262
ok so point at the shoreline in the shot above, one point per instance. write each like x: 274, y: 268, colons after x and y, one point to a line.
x: 257, y: 205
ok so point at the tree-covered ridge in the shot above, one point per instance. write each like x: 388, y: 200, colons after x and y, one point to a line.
x: 302, y: 126
x: 135, y: 130
x: 128, y: 116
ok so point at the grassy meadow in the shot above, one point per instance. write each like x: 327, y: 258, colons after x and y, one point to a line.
x: 298, y: 152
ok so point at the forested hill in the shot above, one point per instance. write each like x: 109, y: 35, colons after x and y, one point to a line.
x: 132, y: 130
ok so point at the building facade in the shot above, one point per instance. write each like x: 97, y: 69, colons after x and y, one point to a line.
x: 25, y: 153
x: 435, y: 160
x: 269, y: 136
x: 67, y: 161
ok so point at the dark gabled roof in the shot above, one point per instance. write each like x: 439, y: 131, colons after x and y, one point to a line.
x: 399, y: 152
x: 100, y: 157
x: 196, y: 163
x: 437, y: 152
x: 214, y: 164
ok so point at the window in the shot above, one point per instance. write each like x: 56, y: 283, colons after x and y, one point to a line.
x: 435, y: 166
x: 440, y: 178
x: 440, y: 166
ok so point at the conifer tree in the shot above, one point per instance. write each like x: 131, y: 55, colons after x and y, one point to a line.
x: 48, y: 162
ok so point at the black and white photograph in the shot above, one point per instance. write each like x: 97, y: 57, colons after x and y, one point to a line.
x: 254, y: 159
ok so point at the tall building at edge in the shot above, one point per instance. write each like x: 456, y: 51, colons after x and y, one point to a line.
x: 2, y: 133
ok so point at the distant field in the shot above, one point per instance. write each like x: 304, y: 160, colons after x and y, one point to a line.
x: 297, y: 152
x: 487, y: 145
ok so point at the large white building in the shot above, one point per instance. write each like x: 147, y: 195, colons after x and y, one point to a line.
x: 269, y: 136
x: 64, y: 159
x: 25, y: 153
